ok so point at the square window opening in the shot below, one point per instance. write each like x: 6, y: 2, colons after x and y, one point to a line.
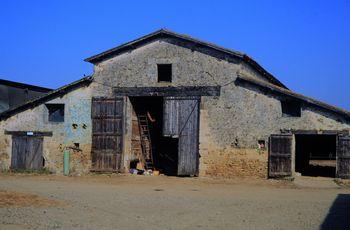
x: 261, y: 144
x: 291, y: 108
x: 164, y: 72
x: 55, y: 112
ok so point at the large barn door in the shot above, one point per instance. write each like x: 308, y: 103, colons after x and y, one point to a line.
x: 343, y: 157
x: 27, y: 152
x: 280, y: 155
x: 188, y: 157
x: 107, y: 133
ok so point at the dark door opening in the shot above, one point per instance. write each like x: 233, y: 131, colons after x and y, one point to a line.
x: 164, y: 150
x: 315, y: 155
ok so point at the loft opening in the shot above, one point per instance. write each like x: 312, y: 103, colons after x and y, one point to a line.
x: 149, y: 146
x: 291, y: 108
x: 55, y: 112
x: 164, y: 72
x: 315, y: 155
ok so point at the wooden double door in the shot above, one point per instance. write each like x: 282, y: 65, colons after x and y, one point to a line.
x: 281, y: 151
x: 27, y: 153
x: 181, y: 115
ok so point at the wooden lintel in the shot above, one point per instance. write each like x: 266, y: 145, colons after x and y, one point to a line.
x: 314, y: 132
x: 28, y: 133
x: 181, y: 91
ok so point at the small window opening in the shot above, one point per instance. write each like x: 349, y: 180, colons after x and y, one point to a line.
x: 261, y: 144
x: 76, y: 145
x: 291, y: 108
x: 164, y: 72
x: 56, y: 112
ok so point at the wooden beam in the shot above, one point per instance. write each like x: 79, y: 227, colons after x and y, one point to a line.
x: 315, y: 132
x: 181, y: 91
x: 28, y: 133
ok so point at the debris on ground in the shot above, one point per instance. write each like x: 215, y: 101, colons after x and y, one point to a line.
x: 148, y: 172
x: 17, y: 199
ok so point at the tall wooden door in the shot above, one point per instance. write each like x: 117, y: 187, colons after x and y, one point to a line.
x: 171, y: 116
x: 107, y: 133
x: 188, y: 157
x: 343, y: 157
x: 280, y: 155
x: 27, y: 152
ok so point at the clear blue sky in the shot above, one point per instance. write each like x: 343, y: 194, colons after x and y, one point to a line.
x: 306, y: 44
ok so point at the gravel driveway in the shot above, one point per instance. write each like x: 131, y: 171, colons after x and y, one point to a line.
x: 141, y: 202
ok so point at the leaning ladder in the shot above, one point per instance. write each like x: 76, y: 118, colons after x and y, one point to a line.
x: 146, y: 143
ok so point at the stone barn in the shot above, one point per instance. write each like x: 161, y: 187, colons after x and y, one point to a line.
x: 182, y: 106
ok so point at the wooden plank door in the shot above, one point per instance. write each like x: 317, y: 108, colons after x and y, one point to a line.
x: 27, y: 152
x: 343, y: 157
x: 171, y: 116
x: 280, y: 155
x: 18, y: 152
x: 34, y: 153
x: 107, y: 133
x: 188, y: 156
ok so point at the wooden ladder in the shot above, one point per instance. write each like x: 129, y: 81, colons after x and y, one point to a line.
x: 146, y: 143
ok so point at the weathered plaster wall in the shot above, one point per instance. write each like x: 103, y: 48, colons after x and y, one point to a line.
x: 77, y: 111
x: 234, y: 122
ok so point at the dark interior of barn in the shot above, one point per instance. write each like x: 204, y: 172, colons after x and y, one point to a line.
x: 315, y: 155
x: 164, y: 150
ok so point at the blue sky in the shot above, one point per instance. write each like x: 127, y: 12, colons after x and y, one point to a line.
x: 305, y: 44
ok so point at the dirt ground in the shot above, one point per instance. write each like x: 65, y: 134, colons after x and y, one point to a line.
x: 159, y: 202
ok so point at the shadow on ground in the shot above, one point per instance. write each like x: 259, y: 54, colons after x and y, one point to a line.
x: 320, y: 171
x: 338, y: 216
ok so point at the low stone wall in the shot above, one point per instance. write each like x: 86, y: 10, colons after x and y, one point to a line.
x: 230, y: 163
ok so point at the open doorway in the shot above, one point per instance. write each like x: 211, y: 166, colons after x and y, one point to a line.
x: 147, y: 115
x: 315, y: 155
